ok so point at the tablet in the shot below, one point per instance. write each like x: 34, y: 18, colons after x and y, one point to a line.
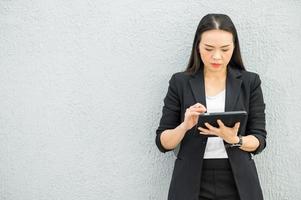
x: 228, y: 118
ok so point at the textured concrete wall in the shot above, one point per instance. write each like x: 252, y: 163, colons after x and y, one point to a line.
x: 82, y: 86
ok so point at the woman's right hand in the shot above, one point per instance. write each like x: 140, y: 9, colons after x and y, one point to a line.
x: 192, y: 115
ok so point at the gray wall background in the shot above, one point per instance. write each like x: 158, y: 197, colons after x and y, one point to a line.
x: 82, y: 86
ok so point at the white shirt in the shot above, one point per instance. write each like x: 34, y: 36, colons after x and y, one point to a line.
x: 215, y: 147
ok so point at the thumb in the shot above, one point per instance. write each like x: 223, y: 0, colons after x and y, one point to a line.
x: 236, y: 127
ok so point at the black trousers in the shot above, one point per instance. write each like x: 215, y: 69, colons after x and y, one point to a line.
x: 217, y: 181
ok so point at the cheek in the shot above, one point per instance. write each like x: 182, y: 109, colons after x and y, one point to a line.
x: 228, y: 55
x: 205, y: 57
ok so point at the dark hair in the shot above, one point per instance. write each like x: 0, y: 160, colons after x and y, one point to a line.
x: 214, y: 22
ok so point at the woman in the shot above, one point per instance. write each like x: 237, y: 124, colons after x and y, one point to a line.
x: 216, y: 162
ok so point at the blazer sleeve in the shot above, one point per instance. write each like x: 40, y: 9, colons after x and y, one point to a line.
x: 256, y: 119
x: 171, y: 113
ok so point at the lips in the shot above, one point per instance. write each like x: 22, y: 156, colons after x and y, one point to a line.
x: 216, y: 64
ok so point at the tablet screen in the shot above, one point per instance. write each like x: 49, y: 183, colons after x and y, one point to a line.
x: 228, y: 118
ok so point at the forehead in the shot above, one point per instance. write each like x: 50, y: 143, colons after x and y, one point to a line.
x: 217, y: 37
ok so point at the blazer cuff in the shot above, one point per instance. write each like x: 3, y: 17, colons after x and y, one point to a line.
x: 159, y: 144
x: 262, y: 143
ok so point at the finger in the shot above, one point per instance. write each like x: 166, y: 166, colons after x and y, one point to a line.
x: 199, y: 106
x: 203, y: 133
x: 211, y: 128
x: 208, y: 133
x: 201, y: 109
x: 236, y: 127
x: 220, y: 123
x: 198, y: 109
x: 203, y: 130
x: 194, y: 113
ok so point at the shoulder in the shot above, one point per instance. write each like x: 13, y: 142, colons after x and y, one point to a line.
x: 249, y: 74
x: 252, y: 78
x: 180, y: 78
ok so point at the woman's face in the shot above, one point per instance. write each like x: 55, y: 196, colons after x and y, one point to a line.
x: 216, y: 48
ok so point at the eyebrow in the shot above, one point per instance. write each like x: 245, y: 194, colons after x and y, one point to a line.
x: 221, y: 46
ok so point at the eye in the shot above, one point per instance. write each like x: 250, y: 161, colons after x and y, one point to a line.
x: 208, y: 49
x: 225, y: 50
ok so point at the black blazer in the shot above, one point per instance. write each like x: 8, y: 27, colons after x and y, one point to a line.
x: 243, y: 92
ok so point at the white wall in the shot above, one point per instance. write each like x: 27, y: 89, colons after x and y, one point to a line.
x: 82, y: 86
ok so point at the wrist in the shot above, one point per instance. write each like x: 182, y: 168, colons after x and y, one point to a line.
x: 235, y: 140
x: 239, y: 143
x: 183, y: 127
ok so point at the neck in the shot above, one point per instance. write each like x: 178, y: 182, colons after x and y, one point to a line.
x: 215, y: 75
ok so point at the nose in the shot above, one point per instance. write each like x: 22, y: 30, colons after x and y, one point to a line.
x: 216, y: 55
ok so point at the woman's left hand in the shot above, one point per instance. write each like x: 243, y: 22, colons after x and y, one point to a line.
x: 229, y: 134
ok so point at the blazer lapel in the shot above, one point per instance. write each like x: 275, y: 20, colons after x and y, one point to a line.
x: 197, y: 85
x: 233, y: 85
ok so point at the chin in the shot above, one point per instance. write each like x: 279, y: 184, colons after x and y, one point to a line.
x: 217, y: 69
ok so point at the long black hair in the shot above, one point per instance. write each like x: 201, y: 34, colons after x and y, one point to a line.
x: 214, y: 22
